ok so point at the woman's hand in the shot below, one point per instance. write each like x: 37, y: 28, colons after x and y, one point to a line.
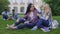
x: 47, y: 17
x: 38, y: 14
x: 27, y: 22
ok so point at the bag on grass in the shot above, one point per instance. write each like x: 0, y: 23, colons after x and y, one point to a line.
x: 54, y: 24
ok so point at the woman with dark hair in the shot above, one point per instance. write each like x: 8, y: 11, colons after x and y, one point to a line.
x: 28, y: 8
x: 30, y: 18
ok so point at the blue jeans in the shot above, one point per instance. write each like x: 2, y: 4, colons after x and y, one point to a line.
x: 22, y: 20
x: 42, y: 23
x: 5, y: 17
x: 30, y: 25
x: 15, y: 17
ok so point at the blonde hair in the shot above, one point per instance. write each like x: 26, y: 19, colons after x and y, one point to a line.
x: 48, y: 9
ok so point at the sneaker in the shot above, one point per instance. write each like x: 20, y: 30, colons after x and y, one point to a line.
x: 34, y: 29
x: 45, y: 29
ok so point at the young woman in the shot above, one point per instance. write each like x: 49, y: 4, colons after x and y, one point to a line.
x: 30, y: 19
x: 43, y: 22
x: 5, y: 14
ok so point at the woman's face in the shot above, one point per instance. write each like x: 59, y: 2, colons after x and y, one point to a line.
x: 32, y: 8
x: 46, y: 9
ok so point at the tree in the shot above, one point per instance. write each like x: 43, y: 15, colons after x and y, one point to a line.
x: 55, y: 6
x: 3, y: 5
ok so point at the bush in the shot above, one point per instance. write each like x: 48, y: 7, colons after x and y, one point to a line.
x: 55, y: 6
x: 3, y: 5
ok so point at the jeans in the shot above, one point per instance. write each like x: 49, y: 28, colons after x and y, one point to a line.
x: 5, y: 17
x: 42, y: 23
x: 30, y: 25
x: 22, y: 20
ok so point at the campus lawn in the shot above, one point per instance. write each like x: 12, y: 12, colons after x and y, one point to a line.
x: 3, y: 29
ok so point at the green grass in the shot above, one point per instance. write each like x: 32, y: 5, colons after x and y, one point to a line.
x: 3, y: 29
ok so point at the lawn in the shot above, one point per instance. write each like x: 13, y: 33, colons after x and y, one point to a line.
x: 3, y: 29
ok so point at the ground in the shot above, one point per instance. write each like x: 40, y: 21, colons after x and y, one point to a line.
x: 3, y: 29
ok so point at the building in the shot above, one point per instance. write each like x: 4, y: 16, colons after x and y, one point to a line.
x: 21, y: 5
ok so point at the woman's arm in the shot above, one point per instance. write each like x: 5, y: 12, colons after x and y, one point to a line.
x: 26, y: 16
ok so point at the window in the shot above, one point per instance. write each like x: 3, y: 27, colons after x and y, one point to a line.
x: 16, y: 9
x: 22, y: 1
x: 14, y: 1
x: 30, y: 1
x: 22, y: 9
x: 36, y: 0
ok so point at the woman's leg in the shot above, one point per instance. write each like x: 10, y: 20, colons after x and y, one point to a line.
x: 31, y: 25
x: 23, y: 26
x: 16, y: 23
x: 38, y: 24
x: 46, y: 26
x: 46, y: 23
x: 42, y: 23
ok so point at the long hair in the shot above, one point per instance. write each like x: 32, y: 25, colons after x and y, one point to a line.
x: 28, y: 8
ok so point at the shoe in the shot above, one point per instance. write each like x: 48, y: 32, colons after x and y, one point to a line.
x: 34, y: 29
x: 45, y: 29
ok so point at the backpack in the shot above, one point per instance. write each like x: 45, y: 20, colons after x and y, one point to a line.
x: 54, y: 24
